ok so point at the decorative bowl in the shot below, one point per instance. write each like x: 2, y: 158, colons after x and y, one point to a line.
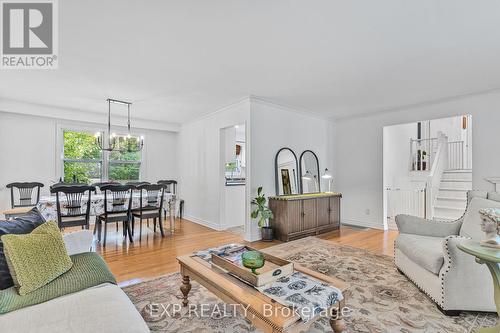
x: 253, y: 260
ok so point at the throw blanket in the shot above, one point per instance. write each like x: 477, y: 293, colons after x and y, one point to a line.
x: 207, y: 254
x: 307, y: 295
x: 88, y: 270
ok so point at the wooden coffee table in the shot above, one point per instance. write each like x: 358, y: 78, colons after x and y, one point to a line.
x: 233, y: 291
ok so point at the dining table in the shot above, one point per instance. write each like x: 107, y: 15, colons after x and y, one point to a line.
x: 47, y: 205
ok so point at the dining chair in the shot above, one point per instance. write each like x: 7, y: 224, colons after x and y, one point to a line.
x: 63, y: 184
x: 137, y: 184
x: 170, y: 187
x: 22, y: 199
x: 72, y: 209
x: 25, y: 190
x: 117, y: 209
x: 99, y: 185
x: 150, y: 208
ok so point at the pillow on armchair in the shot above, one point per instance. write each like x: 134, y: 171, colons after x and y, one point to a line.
x: 20, y: 225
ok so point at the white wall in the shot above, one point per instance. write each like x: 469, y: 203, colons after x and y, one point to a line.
x: 160, y: 155
x: 228, y: 136
x: 234, y: 196
x: 397, y: 155
x: 274, y: 127
x: 28, y: 152
x: 202, y: 168
x: 359, y: 152
x: 269, y: 127
x: 235, y: 206
x: 28, y: 148
x: 451, y: 127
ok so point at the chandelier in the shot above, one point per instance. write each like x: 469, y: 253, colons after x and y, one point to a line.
x: 115, y: 142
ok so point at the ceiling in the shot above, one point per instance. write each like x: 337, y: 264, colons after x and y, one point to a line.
x: 179, y: 60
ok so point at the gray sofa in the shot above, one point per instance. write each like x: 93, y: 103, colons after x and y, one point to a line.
x: 426, y: 252
x: 104, y: 308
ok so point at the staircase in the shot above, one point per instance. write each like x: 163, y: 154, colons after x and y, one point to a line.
x: 452, y: 196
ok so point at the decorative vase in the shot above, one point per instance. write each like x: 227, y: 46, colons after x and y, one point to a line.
x: 267, y: 234
x: 253, y: 260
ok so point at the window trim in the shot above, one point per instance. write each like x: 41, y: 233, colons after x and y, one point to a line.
x: 105, y: 160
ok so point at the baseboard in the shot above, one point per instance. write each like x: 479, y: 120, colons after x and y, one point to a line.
x: 355, y: 226
x: 256, y: 237
x: 203, y: 222
x: 365, y: 224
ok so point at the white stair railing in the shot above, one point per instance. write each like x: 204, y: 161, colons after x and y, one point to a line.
x: 405, y: 201
x: 433, y: 182
x: 456, y: 155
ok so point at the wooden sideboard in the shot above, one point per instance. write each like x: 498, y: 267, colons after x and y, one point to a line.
x: 297, y: 216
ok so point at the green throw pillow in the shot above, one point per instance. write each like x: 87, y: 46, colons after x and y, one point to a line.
x: 37, y: 258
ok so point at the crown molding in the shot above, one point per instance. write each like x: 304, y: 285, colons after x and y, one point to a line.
x: 284, y: 107
x: 403, y: 107
x: 239, y: 102
x: 72, y: 114
x: 262, y: 101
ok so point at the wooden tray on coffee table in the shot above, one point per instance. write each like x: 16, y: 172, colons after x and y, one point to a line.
x: 273, y: 269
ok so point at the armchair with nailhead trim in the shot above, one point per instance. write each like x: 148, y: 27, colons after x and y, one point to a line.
x: 426, y: 252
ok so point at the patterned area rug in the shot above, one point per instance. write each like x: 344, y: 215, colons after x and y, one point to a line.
x: 382, y: 300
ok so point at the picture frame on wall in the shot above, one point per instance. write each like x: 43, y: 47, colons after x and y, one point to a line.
x: 285, y: 179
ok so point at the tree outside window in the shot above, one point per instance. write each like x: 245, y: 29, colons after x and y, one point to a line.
x: 84, y: 162
x: 82, y: 158
x: 124, y: 166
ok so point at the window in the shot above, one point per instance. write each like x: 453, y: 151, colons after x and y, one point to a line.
x: 124, y: 166
x: 83, y: 161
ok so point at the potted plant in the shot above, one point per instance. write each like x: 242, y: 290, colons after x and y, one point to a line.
x: 421, y: 160
x: 263, y: 213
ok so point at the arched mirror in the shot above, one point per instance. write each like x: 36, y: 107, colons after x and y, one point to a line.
x: 309, y: 172
x: 287, y: 172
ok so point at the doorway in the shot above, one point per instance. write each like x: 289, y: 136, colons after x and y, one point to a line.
x: 427, y: 169
x: 233, y: 194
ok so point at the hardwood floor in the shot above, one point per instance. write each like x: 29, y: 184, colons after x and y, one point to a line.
x: 374, y: 240
x: 154, y: 256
